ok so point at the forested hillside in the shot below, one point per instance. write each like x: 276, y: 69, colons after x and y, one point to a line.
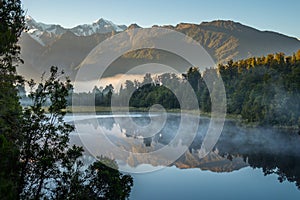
x: 262, y: 90
x: 223, y: 40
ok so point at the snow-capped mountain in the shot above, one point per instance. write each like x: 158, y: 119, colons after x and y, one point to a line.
x: 100, y: 26
x: 46, y: 45
x: 43, y: 33
x: 46, y: 34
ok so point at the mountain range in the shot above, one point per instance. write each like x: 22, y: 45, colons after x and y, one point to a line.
x: 44, y: 45
x: 213, y: 161
x: 46, y: 34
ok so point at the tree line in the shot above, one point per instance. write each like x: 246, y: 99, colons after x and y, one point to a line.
x: 262, y: 90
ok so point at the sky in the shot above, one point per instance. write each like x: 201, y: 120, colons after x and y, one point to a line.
x: 274, y: 15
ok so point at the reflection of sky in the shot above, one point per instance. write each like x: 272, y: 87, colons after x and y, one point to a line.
x: 192, y: 184
x: 78, y: 117
x: 116, y: 137
x: 264, y: 147
x: 143, y: 167
x: 119, y: 127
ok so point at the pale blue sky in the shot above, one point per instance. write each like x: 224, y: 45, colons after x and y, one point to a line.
x: 275, y: 15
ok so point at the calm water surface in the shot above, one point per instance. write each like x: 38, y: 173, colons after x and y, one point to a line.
x: 246, y: 163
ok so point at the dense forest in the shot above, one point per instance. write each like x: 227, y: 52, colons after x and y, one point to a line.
x: 262, y: 90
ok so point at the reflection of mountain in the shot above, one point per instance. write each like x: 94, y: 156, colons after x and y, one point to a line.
x: 273, y: 151
x: 212, y: 162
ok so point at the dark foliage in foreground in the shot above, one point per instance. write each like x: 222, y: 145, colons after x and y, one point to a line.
x: 37, y: 161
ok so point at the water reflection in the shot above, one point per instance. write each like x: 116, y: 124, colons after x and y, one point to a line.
x: 275, y: 152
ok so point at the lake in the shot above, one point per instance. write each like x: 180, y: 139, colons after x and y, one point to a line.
x: 245, y: 163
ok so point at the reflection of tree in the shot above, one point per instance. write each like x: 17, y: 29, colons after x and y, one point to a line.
x: 272, y: 151
x: 286, y: 167
x: 278, y: 155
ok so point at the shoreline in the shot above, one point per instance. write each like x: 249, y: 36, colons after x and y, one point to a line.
x: 234, y: 117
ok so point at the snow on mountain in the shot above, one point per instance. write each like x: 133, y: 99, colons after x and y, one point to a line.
x: 43, y: 33
x: 99, y: 26
x: 47, y: 33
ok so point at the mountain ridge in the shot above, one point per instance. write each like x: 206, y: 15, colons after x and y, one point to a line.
x: 222, y: 39
x: 37, y: 29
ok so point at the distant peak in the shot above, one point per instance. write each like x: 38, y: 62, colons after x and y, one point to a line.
x: 185, y: 25
x: 133, y: 26
x: 100, y: 21
x: 220, y: 21
x: 227, y: 24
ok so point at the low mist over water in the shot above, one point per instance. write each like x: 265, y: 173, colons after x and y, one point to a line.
x: 244, y: 158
